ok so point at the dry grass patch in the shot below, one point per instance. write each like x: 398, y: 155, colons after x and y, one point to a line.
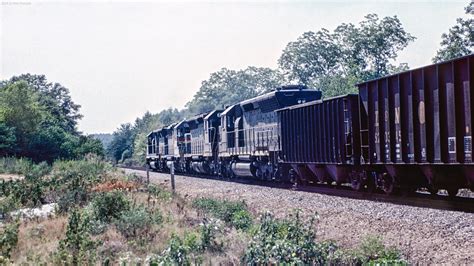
x: 38, y: 239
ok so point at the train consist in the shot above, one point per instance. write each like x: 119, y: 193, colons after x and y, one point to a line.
x: 401, y: 132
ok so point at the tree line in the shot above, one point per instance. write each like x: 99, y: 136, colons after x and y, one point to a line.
x: 38, y: 120
x: 330, y: 61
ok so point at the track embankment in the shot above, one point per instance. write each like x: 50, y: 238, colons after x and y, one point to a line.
x: 424, y: 235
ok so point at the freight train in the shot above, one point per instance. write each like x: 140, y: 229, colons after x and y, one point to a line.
x: 401, y: 132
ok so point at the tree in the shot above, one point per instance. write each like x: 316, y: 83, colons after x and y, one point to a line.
x: 311, y: 56
x: 87, y: 145
x: 334, y: 62
x: 38, y: 120
x: 459, y: 41
x: 21, y: 110
x: 121, y: 146
x: 55, y: 98
x: 226, y: 87
x: 7, y: 139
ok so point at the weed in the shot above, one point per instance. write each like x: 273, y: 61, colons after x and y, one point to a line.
x: 71, y: 199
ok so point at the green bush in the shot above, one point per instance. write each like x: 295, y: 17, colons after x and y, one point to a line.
x: 242, y: 219
x: 37, y: 171
x: 372, y: 251
x: 8, y: 238
x: 68, y: 183
x: 71, y: 199
x: 232, y: 212
x: 290, y: 240
x: 80, y: 173
x: 77, y: 248
x: 7, y: 205
x: 28, y: 192
x: 109, y: 206
x: 180, y: 251
x: 137, y: 222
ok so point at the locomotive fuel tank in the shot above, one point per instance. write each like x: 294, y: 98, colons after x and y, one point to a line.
x: 243, y: 169
x: 153, y: 165
x: 200, y: 167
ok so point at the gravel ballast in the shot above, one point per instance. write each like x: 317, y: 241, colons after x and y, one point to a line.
x: 423, y: 235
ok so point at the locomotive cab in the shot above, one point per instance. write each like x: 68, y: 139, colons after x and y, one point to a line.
x: 152, y: 153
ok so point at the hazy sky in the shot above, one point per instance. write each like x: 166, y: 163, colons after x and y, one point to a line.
x: 121, y: 59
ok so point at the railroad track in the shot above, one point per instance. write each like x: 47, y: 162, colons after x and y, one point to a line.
x: 419, y: 199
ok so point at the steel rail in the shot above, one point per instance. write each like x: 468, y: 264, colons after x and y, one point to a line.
x: 417, y: 199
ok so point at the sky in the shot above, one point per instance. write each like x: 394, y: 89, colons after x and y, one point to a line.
x: 121, y: 59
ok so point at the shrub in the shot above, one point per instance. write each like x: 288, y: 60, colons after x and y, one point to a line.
x: 231, y: 212
x: 71, y: 199
x: 176, y: 253
x: 7, y: 205
x: 37, y: 171
x: 80, y: 173
x: 27, y: 192
x: 291, y: 240
x: 108, y: 206
x: 136, y: 222
x: 68, y: 184
x: 77, y: 247
x: 8, y: 238
x: 373, y: 251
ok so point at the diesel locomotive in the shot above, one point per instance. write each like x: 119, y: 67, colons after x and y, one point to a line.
x: 400, y: 132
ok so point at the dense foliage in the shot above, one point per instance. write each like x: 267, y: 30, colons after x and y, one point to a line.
x: 128, y: 142
x: 38, y: 120
x: 459, y: 41
x: 226, y: 87
x: 335, y: 61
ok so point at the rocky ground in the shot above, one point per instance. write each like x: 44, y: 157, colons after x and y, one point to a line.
x: 9, y: 177
x: 425, y: 236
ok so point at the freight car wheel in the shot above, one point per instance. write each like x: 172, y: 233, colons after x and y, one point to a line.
x: 388, y: 184
x: 357, y: 181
